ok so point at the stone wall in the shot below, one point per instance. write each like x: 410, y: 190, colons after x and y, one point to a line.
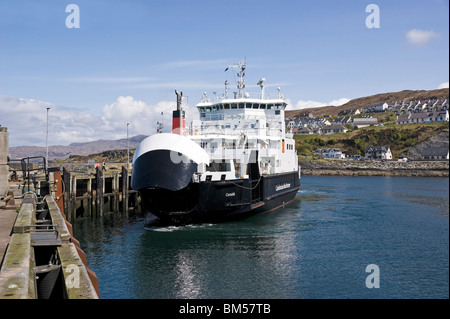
x: 4, y: 142
x: 375, y: 168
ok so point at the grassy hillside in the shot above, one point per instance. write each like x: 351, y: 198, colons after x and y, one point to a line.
x: 112, y: 156
x: 398, y: 137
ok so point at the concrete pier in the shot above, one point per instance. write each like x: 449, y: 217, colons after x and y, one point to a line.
x: 4, y: 141
x: 39, y: 257
x: 42, y: 259
x: 7, y: 219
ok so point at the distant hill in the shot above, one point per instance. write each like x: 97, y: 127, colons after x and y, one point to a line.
x: 110, y: 156
x: 378, y: 99
x: 63, y: 152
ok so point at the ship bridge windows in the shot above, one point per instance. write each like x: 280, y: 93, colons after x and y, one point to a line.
x: 203, y: 109
x: 242, y: 105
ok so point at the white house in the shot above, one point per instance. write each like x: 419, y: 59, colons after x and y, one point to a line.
x: 381, y: 108
x: 424, y: 117
x: 334, y: 153
x: 364, y: 121
x: 378, y: 153
x: 333, y: 129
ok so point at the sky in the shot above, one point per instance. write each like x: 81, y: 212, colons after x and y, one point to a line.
x: 108, y: 63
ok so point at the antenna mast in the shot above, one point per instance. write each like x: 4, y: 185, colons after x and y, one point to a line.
x: 241, y: 84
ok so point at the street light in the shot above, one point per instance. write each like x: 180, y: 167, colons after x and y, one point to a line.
x: 46, y: 143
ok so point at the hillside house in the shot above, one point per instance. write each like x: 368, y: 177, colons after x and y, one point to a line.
x: 378, y: 153
x: 402, y: 158
x: 424, y: 117
x: 341, y: 120
x: 349, y: 112
x: 364, y: 121
x: 435, y: 153
x: 333, y: 129
x: 381, y: 108
x: 418, y: 117
x: 401, y: 120
x: 333, y: 153
x: 303, y: 130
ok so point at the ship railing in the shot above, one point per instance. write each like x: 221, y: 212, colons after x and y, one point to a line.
x: 247, y: 95
x: 236, y: 153
x: 275, y: 132
x: 231, y: 117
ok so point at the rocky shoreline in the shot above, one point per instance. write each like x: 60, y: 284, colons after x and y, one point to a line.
x: 374, y: 168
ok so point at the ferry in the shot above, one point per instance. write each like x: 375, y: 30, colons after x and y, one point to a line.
x: 235, y: 161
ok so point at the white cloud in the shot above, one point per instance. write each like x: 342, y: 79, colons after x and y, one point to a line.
x: 420, y: 37
x: 142, y: 117
x: 443, y: 85
x: 26, y: 120
x: 310, y: 104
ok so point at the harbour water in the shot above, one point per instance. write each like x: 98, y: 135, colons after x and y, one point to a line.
x: 317, y: 247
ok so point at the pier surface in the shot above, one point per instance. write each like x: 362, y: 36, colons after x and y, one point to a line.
x: 7, y: 219
x: 40, y: 258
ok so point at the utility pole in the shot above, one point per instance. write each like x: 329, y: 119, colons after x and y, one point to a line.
x: 46, y: 143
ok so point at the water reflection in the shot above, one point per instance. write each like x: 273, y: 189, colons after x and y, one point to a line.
x: 188, y: 282
x: 245, y: 259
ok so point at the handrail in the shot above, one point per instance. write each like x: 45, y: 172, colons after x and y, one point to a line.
x: 26, y: 167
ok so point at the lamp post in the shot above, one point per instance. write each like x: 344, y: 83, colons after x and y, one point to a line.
x: 46, y: 143
x: 128, y: 148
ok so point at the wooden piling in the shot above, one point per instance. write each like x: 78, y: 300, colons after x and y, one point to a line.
x: 67, y: 193
x: 100, y: 187
x: 97, y: 193
x: 124, y: 189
